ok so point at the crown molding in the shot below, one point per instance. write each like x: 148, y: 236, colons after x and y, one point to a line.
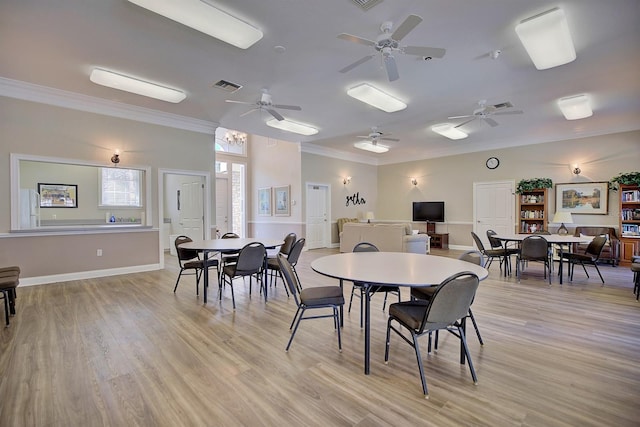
x: 61, y: 98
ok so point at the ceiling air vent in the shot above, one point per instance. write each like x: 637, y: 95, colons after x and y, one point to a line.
x: 227, y: 86
x: 366, y: 4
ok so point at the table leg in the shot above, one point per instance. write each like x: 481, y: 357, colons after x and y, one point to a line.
x: 367, y: 328
x: 342, y: 306
x: 265, y: 277
x: 561, y: 246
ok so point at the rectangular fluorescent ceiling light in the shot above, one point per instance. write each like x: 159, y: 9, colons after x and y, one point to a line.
x: 448, y: 130
x: 368, y: 146
x: 376, y: 98
x: 575, y: 107
x: 547, y: 39
x: 290, y: 126
x: 137, y: 86
x: 206, y: 18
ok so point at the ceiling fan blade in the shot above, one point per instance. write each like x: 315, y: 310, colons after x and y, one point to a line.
x: 356, y: 39
x: 460, y: 117
x: 239, y: 102
x: 491, y: 122
x: 406, y: 27
x: 505, y: 113
x: 275, y: 114
x: 249, y: 112
x: 464, y: 123
x: 392, y: 68
x: 433, y: 52
x: 389, y: 139
x: 355, y: 64
x: 287, y: 107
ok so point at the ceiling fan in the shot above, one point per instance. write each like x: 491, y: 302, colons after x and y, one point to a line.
x: 375, y: 136
x: 485, y: 112
x: 266, y: 104
x: 388, y: 43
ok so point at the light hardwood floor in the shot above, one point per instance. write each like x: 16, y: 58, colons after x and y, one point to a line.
x: 126, y: 351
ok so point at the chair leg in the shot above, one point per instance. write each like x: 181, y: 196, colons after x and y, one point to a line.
x: 336, y: 319
x: 295, y: 328
x: 420, y: 366
x: 387, y: 342
x: 177, y: 281
x: 599, y: 274
x: 466, y: 351
x: 475, y: 326
x: 6, y: 306
x: 351, y: 299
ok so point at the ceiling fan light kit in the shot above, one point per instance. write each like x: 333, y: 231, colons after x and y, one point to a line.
x: 547, y: 39
x: 376, y: 98
x: 449, y: 131
x: 294, y: 127
x: 575, y: 107
x: 370, y: 146
x: 205, y: 17
x: 134, y: 85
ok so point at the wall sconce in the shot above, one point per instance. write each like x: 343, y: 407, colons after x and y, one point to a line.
x: 576, y: 169
x: 346, y: 180
x: 115, y: 159
x: 414, y: 181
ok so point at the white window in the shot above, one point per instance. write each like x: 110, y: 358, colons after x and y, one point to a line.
x: 121, y: 187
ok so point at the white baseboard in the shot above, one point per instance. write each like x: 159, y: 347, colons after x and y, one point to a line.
x: 81, y: 275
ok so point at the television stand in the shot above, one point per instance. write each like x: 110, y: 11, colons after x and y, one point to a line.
x: 431, y: 227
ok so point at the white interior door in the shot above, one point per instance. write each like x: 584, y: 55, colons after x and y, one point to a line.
x: 317, y: 216
x: 493, y: 208
x: 192, y: 208
x: 222, y: 205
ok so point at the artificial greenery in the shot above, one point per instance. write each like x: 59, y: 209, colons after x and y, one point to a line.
x: 629, y: 178
x: 533, y: 184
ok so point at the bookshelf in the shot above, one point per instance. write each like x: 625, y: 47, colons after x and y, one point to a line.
x: 532, y: 211
x: 629, y: 222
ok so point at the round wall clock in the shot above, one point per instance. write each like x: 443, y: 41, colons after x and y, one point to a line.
x: 493, y: 162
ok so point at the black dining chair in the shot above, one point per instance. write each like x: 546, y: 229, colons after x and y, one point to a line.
x: 446, y: 310
x: 589, y: 257
x: 312, y: 298
x: 9, y: 281
x: 370, y: 247
x: 190, y: 262
x: 534, y: 248
x: 491, y: 254
x: 250, y: 263
x: 293, y: 255
x: 498, y: 244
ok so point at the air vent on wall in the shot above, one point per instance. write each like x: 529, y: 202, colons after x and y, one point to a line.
x: 227, y: 86
x: 366, y: 4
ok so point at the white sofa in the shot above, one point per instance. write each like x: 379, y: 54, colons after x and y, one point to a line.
x: 387, y: 237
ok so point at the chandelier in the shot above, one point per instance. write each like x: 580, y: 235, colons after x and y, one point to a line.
x: 235, y: 138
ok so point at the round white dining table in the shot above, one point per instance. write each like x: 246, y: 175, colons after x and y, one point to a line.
x: 216, y: 245
x: 390, y: 268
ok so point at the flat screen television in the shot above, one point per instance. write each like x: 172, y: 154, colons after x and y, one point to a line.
x: 428, y: 211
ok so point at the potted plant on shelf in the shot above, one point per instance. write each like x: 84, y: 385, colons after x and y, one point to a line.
x: 533, y: 184
x: 629, y: 178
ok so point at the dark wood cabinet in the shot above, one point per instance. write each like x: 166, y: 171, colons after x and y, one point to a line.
x: 629, y: 223
x: 439, y: 240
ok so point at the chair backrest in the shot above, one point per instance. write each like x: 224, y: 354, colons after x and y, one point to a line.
x: 595, y: 246
x: 184, y: 254
x: 479, y: 243
x: 494, y: 242
x: 289, y: 240
x: 251, y: 258
x: 534, y: 247
x: 475, y: 257
x: 290, y: 278
x: 450, y: 301
x: 295, y: 252
x: 365, y: 247
x: 230, y: 236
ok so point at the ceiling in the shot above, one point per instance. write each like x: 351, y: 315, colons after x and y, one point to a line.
x: 56, y: 44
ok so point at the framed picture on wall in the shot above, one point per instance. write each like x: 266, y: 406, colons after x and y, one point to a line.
x: 282, y: 200
x: 58, y: 195
x: 583, y: 198
x: 264, y: 201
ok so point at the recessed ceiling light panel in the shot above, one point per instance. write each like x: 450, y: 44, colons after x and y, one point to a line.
x: 547, y: 39
x: 137, y: 86
x: 375, y: 97
x: 206, y: 18
x: 575, y: 107
x: 368, y: 146
x: 290, y: 126
x: 449, y: 131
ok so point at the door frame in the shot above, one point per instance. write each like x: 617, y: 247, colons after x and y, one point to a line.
x: 206, y: 202
x: 326, y: 232
x: 512, y: 183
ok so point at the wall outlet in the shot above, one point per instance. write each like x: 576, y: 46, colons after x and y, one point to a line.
x: 99, y: 252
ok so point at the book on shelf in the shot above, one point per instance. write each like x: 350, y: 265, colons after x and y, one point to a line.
x: 630, y: 196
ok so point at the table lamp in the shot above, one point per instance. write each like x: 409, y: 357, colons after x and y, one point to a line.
x: 369, y: 216
x: 562, y: 218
